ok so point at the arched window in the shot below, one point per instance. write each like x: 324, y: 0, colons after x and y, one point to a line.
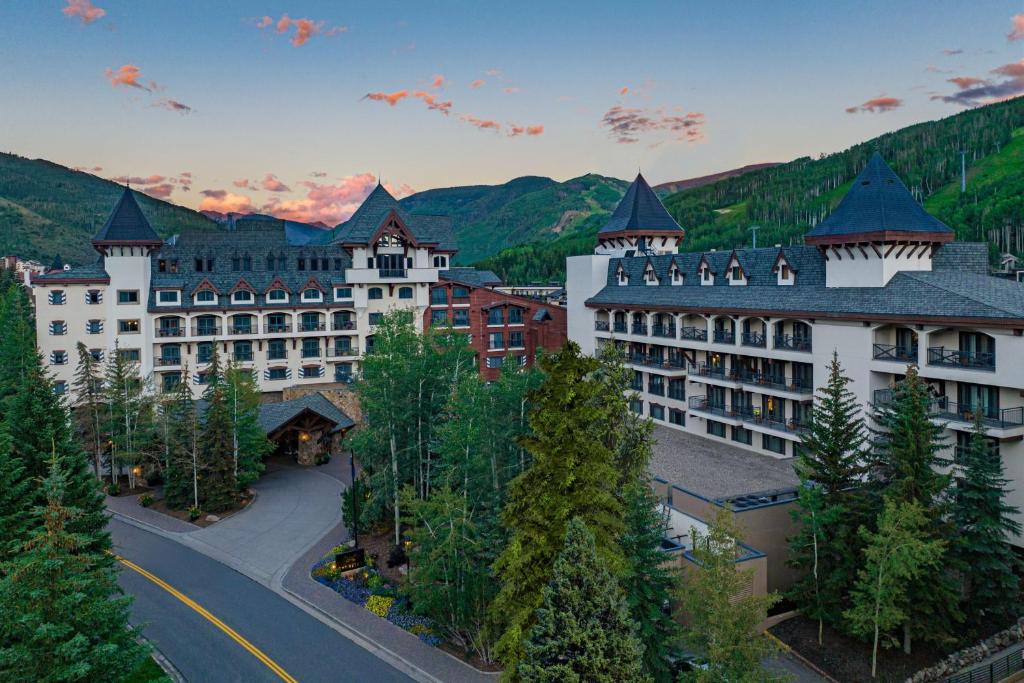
x: 376, y: 293
x: 311, y: 294
x: 405, y: 292
x: 277, y: 295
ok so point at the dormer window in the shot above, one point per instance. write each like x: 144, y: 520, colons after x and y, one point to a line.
x: 650, y: 277
x: 242, y: 296
x: 621, y: 276
x: 311, y: 294
x: 784, y: 272
x: 441, y: 261
x: 277, y: 295
x: 206, y: 296
x: 675, y: 275
x: 342, y: 293
x: 167, y: 297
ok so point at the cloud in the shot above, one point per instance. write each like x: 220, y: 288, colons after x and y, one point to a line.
x: 977, y: 91
x: 1017, y: 27
x: 138, y: 180
x: 87, y: 169
x: 931, y: 68
x: 624, y: 90
x: 512, y: 90
x: 493, y: 73
x: 304, y: 28
x: 515, y: 130
x: 270, y: 183
x: 242, y: 183
x: 950, y: 51
x: 330, y: 203
x: 318, y: 174
x: 162, y: 191
x: 627, y: 124
x: 432, y: 102
x: 877, y: 105
x: 84, y: 10
x: 225, y: 202
x: 127, y: 75
x: 173, y: 105
x: 264, y: 22
x: 482, y: 124
x: 437, y: 82
x: 391, y: 98
x: 478, y: 83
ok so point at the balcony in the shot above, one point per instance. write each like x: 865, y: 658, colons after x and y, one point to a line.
x: 702, y: 405
x: 312, y: 327
x: 787, y: 342
x: 901, y: 354
x: 243, y: 356
x: 342, y: 352
x: 756, y: 416
x: 724, y: 337
x: 755, y: 339
x: 206, y: 331
x: 311, y: 353
x: 639, y: 328
x: 953, y: 358
x: 344, y: 377
x: 796, y: 385
x: 693, y: 333
x: 601, y: 325
x: 241, y: 329
x: 658, y: 330
x: 944, y: 409
x: 620, y: 327
x: 170, y: 332
x: 272, y: 328
x: 651, y: 361
x: 344, y: 326
x: 277, y: 354
x: 713, y: 371
x: 167, y: 361
x: 392, y: 272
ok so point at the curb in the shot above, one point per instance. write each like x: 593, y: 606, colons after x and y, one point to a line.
x: 167, y: 665
x: 798, y: 657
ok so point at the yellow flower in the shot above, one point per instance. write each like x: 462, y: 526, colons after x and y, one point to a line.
x: 379, y: 604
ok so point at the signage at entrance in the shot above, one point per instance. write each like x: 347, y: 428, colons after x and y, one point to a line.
x: 350, y: 560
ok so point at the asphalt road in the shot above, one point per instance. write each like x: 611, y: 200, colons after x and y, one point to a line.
x: 300, y: 646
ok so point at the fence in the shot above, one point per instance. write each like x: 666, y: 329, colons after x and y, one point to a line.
x: 994, y: 671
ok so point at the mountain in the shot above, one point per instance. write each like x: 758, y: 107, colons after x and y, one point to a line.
x: 47, y: 209
x: 489, y: 218
x: 786, y: 200
x: 690, y: 183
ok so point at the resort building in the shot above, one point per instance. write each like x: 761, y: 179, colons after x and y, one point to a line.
x: 731, y: 345
x: 298, y: 307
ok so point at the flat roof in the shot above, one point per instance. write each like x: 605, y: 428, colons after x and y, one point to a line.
x: 714, y: 469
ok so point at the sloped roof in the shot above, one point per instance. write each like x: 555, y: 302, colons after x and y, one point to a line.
x: 471, y: 276
x: 273, y: 416
x: 127, y: 224
x: 877, y: 202
x: 640, y: 209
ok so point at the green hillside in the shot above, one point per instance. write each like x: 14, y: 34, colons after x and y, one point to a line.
x: 47, y: 209
x: 788, y: 199
x: 489, y: 218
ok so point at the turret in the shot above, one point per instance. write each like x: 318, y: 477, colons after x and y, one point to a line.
x: 640, y: 225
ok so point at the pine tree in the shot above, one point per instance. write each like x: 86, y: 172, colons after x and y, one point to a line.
x: 724, y: 615
x: 89, y: 411
x: 130, y: 417
x: 816, y: 548
x: 899, y: 555
x: 181, y: 486
x: 627, y: 434
x: 218, y: 488
x: 18, y: 354
x: 16, y: 496
x: 648, y: 583
x: 572, y: 475
x: 984, y: 523
x: 583, y: 631
x: 249, y: 442
x: 59, y: 617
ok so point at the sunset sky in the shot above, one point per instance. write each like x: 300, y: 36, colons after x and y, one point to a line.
x: 294, y: 108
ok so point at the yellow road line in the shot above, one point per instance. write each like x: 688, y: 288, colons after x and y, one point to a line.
x: 252, y: 649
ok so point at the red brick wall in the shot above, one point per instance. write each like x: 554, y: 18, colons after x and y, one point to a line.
x: 549, y: 335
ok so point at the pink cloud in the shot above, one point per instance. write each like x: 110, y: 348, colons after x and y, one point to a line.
x: 390, y: 98
x: 493, y: 73
x: 139, y: 180
x: 627, y: 124
x: 978, y: 91
x: 624, y: 90
x: 225, y: 202
x: 950, y: 51
x: 477, y: 83
x: 270, y: 183
x: 162, y: 191
x: 437, y: 82
x: 330, y: 203
x: 1017, y: 27
x: 186, y: 174
x: 127, y: 75
x: 432, y: 102
x: 264, y: 22
x: 964, y: 82
x: 84, y: 10
x: 172, y: 105
x: 243, y: 183
x: 482, y: 124
x: 515, y: 130
x: 511, y: 90
x: 877, y: 105
x: 304, y: 28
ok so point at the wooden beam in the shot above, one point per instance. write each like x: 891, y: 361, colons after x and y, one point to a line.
x: 838, y: 255
x: 850, y: 252
x: 891, y: 247
x: 902, y: 249
x: 863, y: 253
x: 878, y: 252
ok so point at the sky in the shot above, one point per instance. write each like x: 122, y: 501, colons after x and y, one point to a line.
x: 296, y: 108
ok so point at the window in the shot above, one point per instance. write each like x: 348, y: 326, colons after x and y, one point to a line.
x: 405, y: 292
x: 277, y: 295
x: 246, y: 263
x: 243, y: 350
x: 656, y: 385
x: 242, y: 296
x: 637, y: 406
x: 515, y: 316
x: 677, y: 417
x: 276, y: 349
x: 241, y: 324
x: 302, y: 264
x: 515, y: 340
x: 314, y: 264
x: 166, y: 296
x: 495, y: 361
x: 204, y: 352
x: 461, y: 317
x: 277, y: 373
x: 494, y: 316
x: 97, y: 354
x: 439, y: 296
x: 375, y: 293
x: 310, y: 348
x: 657, y: 412
x: 439, y: 318
x: 206, y: 296
x: 440, y: 261
x: 236, y: 263
x: 460, y: 292
x: 375, y: 319
x: 170, y: 354
x: 60, y: 388
x: 170, y: 380
x: 741, y: 435
x: 310, y: 322
x: 497, y: 340
x: 338, y: 264
x: 716, y: 428
x: 127, y: 296
x: 58, y: 327
x: 282, y: 263
x: 736, y: 273
x: 341, y: 293
x: 128, y: 326
x: 774, y: 444
x: 59, y: 357
x: 93, y: 297
x: 199, y: 265
x: 270, y: 263
x: 312, y: 371
x: 94, y: 327
x: 277, y: 322
x: 784, y: 272
x: 58, y: 297
x: 206, y: 326
x: 324, y: 264
x: 311, y: 294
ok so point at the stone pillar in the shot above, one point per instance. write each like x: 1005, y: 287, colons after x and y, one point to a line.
x: 307, y: 449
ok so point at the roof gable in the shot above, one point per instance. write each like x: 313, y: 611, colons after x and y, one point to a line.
x: 640, y: 210
x: 127, y: 224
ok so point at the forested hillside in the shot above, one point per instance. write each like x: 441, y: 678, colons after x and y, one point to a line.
x: 788, y: 199
x: 47, y: 209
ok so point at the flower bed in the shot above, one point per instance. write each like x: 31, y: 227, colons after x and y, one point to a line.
x: 370, y: 590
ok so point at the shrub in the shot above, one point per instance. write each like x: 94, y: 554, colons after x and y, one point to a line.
x: 397, y: 556
x: 114, y: 489
x: 194, y: 513
x: 374, y: 581
x: 146, y: 499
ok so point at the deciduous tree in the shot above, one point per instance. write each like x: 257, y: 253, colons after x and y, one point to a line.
x: 89, y: 410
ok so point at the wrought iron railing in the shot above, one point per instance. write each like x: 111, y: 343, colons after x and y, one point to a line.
x: 164, y: 361
x: 789, y: 342
x: 277, y: 354
x: 903, y: 354
x: 619, y: 327
x: 601, y: 325
x: 777, y: 382
x: 659, y: 330
x: 693, y: 333
x: 278, y: 327
x: 944, y: 409
x: 342, y: 351
x: 312, y: 327
x: 714, y: 371
x: 724, y: 337
x: 241, y: 329
x: 639, y: 328
x: 976, y: 360
x: 206, y: 331
x: 175, y: 331
x: 756, y: 339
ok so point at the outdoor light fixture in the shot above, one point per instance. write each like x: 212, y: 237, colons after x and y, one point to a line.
x: 304, y: 436
x: 136, y: 470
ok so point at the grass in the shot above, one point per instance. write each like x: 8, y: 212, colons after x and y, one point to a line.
x: 148, y: 672
x: 993, y: 170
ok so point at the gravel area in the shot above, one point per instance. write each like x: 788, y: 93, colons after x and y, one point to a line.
x: 715, y: 469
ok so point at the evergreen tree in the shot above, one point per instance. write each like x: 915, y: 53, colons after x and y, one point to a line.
x: 906, y: 466
x: 249, y: 442
x: 16, y: 497
x: 59, y: 617
x: 18, y: 354
x: 626, y: 434
x: 218, y: 487
x: 89, y: 411
x: 181, y: 481
x: 648, y: 583
x: 572, y: 475
x: 130, y: 419
x: 583, y: 632
x: 984, y: 523
x: 724, y: 614
x: 896, y: 557
x: 823, y: 554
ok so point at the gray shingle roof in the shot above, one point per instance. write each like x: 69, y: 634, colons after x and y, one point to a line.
x: 957, y: 287
x: 127, y: 223
x: 273, y: 416
x: 640, y: 209
x: 89, y: 271
x: 471, y: 276
x: 878, y: 201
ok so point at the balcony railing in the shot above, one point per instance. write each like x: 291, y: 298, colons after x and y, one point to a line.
x: 311, y: 353
x: 788, y: 342
x: 755, y: 415
x: 168, y: 360
x: 312, y: 327
x: 170, y: 332
x: 656, y: 389
x: 777, y: 382
x: 639, y: 328
x: 701, y: 403
x: 903, y: 354
x: 243, y: 356
x: 241, y: 329
x: 343, y: 325
x: 342, y: 351
x: 601, y: 325
x: 206, y: 331
x: 713, y: 371
x: 391, y: 272
x: 620, y: 327
x: 278, y: 327
x: 636, y: 386
x: 725, y: 337
x: 975, y: 360
x: 659, y: 330
x: 693, y: 333
x: 274, y: 354
x: 757, y: 339
x: 945, y: 409
x: 670, y: 362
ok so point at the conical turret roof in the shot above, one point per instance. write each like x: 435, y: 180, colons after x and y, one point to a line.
x: 127, y: 224
x: 640, y: 211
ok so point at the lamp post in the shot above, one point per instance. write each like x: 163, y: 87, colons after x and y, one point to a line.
x: 355, y: 499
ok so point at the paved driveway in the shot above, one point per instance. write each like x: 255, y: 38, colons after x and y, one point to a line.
x: 294, y: 508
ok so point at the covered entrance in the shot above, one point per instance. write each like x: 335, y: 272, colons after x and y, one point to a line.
x: 305, y: 428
